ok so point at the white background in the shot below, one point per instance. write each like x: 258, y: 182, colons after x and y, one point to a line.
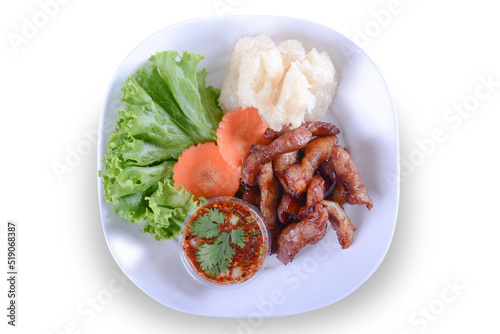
x: 435, y: 55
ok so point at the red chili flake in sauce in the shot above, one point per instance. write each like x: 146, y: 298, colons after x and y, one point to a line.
x: 246, y: 261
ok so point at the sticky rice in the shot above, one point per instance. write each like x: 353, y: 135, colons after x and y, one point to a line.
x: 284, y: 82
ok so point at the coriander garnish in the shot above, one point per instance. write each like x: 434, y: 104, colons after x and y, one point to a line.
x: 215, y: 258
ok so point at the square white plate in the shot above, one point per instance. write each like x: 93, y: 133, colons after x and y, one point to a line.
x: 321, y: 274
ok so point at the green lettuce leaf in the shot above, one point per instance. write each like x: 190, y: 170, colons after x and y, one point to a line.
x: 167, y: 108
x: 169, y: 209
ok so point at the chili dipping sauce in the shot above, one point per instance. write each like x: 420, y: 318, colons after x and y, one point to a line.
x: 220, y: 224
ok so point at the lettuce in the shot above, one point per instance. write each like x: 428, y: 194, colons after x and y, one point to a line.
x: 167, y: 108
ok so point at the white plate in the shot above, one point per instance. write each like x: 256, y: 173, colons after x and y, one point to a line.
x: 321, y: 274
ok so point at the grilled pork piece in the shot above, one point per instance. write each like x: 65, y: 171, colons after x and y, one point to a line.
x: 347, y: 173
x: 269, y: 197
x: 340, y: 223
x: 288, y: 142
x: 296, y: 236
x: 316, y: 128
x: 298, y: 175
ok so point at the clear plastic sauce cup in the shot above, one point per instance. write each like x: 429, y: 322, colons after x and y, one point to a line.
x: 225, y: 243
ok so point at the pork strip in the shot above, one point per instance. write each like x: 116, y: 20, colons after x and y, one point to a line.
x: 316, y: 128
x: 346, y: 171
x: 269, y: 196
x: 314, y: 195
x: 315, y: 190
x: 327, y: 171
x: 321, y: 128
x: 288, y: 142
x: 288, y: 209
x: 296, y: 236
x: 298, y: 175
x: 340, y: 223
x: 282, y: 162
x: 338, y: 194
x: 251, y: 195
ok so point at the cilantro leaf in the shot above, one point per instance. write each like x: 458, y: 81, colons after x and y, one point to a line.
x: 204, y: 257
x: 216, y: 216
x: 214, y: 259
x: 223, y: 250
x: 207, y: 225
x: 213, y: 271
x: 238, y: 237
x: 204, y: 228
x: 223, y: 267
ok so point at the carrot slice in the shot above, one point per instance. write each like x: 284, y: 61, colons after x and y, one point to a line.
x: 202, y: 170
x: 238, y: 131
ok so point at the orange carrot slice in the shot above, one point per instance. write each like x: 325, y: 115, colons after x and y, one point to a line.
x: 238, y: 130
x: 202, y: 170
